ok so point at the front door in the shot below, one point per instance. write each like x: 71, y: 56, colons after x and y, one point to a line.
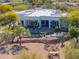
x: 45, y: 23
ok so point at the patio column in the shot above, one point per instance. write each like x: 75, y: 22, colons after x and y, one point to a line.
x: 24, y: 23
x: 49, y: 23
x: 39, y: 21
x: 59, y: 23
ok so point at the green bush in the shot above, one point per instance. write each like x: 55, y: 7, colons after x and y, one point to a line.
x: 57, y: 29
x: 7, y: 18
x: 5, y: 8
x: 62, y: 7
x: 21, y: 7
x: 74, y: 32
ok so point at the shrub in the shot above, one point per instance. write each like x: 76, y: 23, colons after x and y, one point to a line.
x: 5, y: 8
x: 62, y: 7
x: 7, y: 18
x: 71, y: 53
x: 57, y: 29
x: 26, y: 55
x: 21, y: 7
x: 74, y: 32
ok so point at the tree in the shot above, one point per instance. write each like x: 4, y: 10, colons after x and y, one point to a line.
x: 7, y: 15
x: 30, y: 1
x: 39, y: 2
x: 74, y: 33
x: 19, y: 32
x: 48, y: 4
x: 5, y: 8
x: 6, y: 37
x: 60, y: 35
x: 8, y: 18
x: 36, y: 2
x: 73, y: 18
x: 62, y: 7
x: 10, y: 31
x: 62, y: 40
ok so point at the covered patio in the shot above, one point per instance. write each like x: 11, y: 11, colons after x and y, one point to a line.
x: 41, y: 23
x: 40, y: 20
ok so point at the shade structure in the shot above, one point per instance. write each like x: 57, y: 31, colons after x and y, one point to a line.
x: 40, y: 14
x: 40, y: 18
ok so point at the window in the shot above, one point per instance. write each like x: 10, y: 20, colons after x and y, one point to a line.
x: 54, y: 24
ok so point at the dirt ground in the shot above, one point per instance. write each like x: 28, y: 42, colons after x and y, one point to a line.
x: 37, y: 48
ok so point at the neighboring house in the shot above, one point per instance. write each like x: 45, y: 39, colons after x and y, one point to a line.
x: 14, y: 1
x: 41, y: 18
x: 72, y: 3
x: 4, y: 0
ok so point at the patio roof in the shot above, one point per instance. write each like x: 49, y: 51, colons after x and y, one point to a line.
x: 40, y: 14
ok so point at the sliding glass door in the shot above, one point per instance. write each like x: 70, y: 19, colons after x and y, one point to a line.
x: 45, y: 23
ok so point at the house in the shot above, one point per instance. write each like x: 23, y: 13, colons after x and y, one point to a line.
x: 72, y: 3
x: 41, y: 19
x: 12, y: 2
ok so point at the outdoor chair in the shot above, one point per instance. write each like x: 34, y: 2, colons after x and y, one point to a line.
x: 15, y: 49
x: 2, y: 50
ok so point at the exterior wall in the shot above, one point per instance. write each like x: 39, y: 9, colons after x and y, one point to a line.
x: 64, y: 25
x: 50, y: 23
x: 61, y: 24
x: 29, y: 23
